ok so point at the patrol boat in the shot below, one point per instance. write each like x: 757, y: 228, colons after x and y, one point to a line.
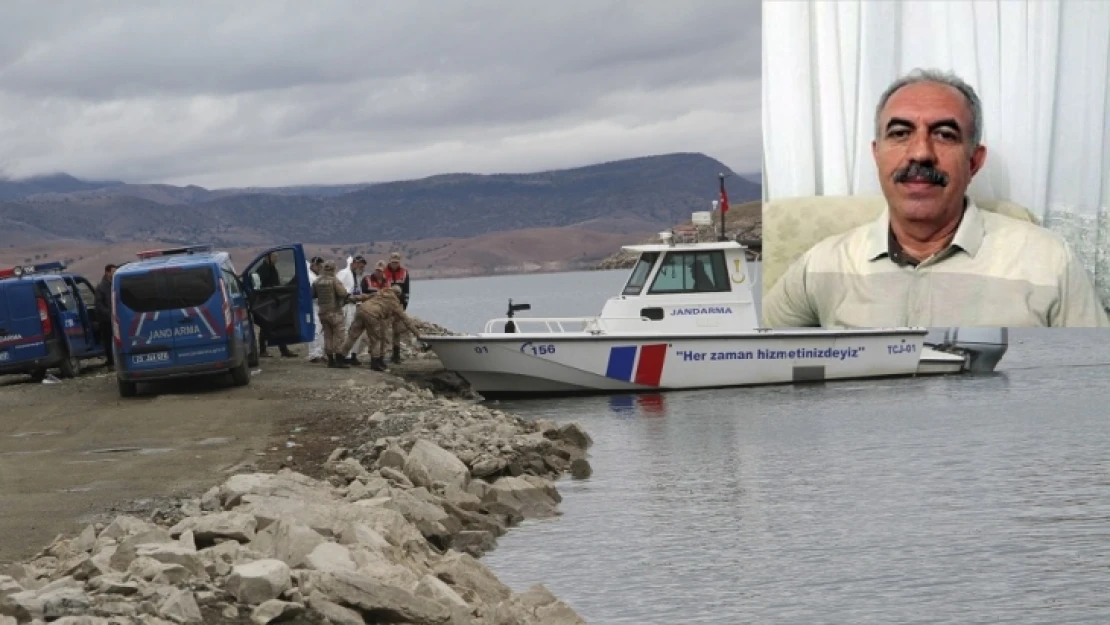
x: 686, y: 319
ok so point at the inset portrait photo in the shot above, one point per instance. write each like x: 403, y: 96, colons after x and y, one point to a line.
x: 936, y: 164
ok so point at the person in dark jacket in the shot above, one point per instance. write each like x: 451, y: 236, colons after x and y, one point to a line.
x: 268, y: 277
x: 103, y: 306
x: 267, y: 272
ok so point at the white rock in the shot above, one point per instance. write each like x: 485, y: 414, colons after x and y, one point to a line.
x: 173, y: 553
x: 537, y: 606
x: 428, y: 463
x: 87, y: 540
x: 180, y: 607
x: 362, y: 534
x: 260, y: 581
x: 272, y: 610
x: 188, y: 540
x: 330, y: 557
x: 389, y: 603
x: 285, y: 483
x: 8, y: 586
x: 384, y: 569
x: 228, y: 525
x: 61, y: 602
x: 72, y: 620
x: 292, y: 542
x: 531, y: 499
x: 463, y: 571
x: 434, y: 588
x: 123, y: 526
x: 335, y: 613
x: 152, y: 570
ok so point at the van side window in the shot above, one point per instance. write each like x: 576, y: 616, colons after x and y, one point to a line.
x: 692, y: 272
x: 60, y: 290
x: 275, y: 270
x: 232, y: 282
x: 86, y: 294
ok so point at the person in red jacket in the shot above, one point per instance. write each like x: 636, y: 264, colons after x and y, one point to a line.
x: 377, y: 279
x: 398, y: 276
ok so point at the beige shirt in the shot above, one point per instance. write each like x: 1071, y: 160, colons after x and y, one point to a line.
x: 997, y: 272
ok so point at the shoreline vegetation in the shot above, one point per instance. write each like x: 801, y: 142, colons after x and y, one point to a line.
x: 389, y: 528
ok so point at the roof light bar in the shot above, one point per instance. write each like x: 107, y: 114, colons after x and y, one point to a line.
x: 175, y: 251
x: 19, y: 271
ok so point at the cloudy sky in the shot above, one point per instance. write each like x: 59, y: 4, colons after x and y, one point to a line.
x: 291, y: 92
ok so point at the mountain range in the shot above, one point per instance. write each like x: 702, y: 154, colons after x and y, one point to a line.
x: 486, y: 215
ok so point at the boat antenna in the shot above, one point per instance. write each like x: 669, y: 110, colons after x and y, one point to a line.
x: 510, y: 325
x: 724, y: 207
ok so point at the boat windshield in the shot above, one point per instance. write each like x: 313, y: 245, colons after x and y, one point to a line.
x: 640, y: 273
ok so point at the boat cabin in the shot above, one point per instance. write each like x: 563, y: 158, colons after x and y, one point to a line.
x: 677, y: 286
x: 681, y: 285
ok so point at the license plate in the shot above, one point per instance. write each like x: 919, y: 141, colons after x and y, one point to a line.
x: 140, y: 359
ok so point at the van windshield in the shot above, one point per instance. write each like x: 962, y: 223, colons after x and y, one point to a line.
x: 167, y: 290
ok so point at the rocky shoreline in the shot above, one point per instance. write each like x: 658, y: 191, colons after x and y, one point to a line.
x: 390, y: 530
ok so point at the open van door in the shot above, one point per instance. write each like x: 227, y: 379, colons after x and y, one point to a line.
x: 280, y: 294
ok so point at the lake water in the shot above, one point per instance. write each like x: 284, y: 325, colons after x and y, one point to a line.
x: 946, y: 500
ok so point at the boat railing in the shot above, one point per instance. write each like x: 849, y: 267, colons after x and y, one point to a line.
x: 555, y: 325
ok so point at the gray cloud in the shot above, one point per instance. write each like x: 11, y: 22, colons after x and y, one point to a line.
x: 288, y: 92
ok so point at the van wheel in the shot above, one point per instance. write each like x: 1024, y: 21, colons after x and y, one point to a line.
x: 70, y: 366
x: 127, y: 389
x: 241, y: 375
x: 252, y: 355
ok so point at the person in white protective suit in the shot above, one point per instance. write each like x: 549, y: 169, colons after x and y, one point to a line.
x: 351, y: 276
x: 316, y: 349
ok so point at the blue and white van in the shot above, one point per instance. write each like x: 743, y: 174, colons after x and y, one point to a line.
x: 186, y: 312
x: 47, y: 320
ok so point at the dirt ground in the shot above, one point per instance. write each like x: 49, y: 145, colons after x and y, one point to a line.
x: 74, y: 452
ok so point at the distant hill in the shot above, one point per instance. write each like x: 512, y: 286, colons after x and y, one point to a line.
x: 623, y: 200
x: 54, y: 183
x: 631, y: 195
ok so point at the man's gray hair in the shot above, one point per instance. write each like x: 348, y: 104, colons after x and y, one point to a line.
x: 944, y: 78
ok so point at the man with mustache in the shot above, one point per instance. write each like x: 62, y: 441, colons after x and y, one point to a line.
x: 933, y: 258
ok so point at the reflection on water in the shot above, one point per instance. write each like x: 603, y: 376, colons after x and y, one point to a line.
x: 980, y: 499
x: 640, y: 405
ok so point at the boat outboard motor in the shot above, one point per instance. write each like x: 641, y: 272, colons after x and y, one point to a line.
x: 984, y: 346
x: 510, y: 325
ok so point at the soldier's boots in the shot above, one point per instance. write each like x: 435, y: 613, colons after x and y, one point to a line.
x: 396, y: 355
x: 337, y: 362
x: 353, y: 360
x: 378, y: 364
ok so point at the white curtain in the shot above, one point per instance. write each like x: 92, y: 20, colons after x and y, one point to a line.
x: 1040, y: 67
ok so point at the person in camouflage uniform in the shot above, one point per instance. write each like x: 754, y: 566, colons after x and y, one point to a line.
x: 376, y: 317
x: 331, y: 295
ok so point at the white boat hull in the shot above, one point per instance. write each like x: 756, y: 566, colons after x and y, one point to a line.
x: 546, y: 363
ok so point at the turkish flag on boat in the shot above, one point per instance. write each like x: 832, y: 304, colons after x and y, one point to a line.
x: 724, y: 197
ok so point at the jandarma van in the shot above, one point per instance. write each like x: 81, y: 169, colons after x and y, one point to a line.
x: 933, y: 258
